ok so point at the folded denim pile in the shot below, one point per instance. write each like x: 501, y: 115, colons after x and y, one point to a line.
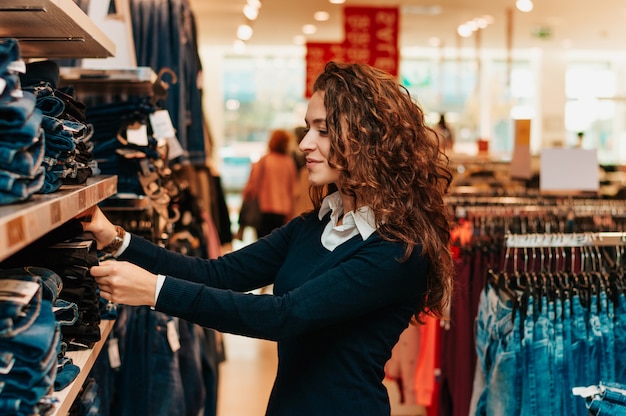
x: 68, y: 157
x: 21, y: 137
x: 71, y: 260
x: 69, y: 254
x: 30, y: 340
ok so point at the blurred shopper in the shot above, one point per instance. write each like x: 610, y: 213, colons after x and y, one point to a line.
x: 273, y: 180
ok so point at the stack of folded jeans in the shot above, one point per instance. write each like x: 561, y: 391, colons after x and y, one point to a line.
x: 68, y: 157
x: 21, y: 137
x: 72, y: 260
x: 29, y: 341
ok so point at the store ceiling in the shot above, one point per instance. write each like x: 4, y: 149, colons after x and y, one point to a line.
x: 576, y: 24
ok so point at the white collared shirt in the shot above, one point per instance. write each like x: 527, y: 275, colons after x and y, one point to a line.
x: 359, y: 222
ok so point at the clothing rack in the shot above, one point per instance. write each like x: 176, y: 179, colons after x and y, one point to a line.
x: 551, y: 240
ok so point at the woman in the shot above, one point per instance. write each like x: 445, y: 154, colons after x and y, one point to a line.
x: 348, y: 277
x: 273, y: 181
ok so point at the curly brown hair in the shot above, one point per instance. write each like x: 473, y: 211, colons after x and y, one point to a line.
x: 391, y: 161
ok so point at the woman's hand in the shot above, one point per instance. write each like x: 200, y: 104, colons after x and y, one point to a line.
x: 125, y: 283
x: 94, y: 221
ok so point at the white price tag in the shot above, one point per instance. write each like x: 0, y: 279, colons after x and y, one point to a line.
x: 114, y: 353
x: 17, y: 66
x: 162, y: 126
x: 172, y: 336
x: 19, y: 291
x: 174, y: 148
x: 3, y: 85
x: 138, y: 135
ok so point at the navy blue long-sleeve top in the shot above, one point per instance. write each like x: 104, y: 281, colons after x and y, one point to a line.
x: 336, y: 315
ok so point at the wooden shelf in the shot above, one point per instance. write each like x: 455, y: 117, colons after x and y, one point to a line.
x: 23, y: 223
x: 53, y: 29
x: 84, y: 359
x: 129, y: 81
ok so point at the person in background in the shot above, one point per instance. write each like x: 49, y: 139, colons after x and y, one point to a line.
x: 580, y: 137
x: 348, y: 277
x: 445, y: 133
x: 273, y: 180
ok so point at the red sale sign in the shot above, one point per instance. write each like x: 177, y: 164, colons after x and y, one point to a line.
x: 371, y: 37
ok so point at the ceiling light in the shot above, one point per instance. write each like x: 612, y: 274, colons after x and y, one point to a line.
x: 524, y: 5
x: 255, y: 3
x: 250, y: 12
x: 309, y: 29
x: 336, y: 1
x: 244, y: 32
x: 321, y: 16
x: 464, y: 31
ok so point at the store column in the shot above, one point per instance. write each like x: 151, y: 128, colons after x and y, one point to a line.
x: 548, y: 125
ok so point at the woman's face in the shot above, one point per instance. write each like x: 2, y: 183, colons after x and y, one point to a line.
x: 316, y: 143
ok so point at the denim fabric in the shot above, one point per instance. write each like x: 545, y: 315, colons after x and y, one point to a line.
x: 150, y: 379
x: 66, y: 312
x: 24, y: 162
x: 594, y: 342
x: 170, y: 22
x: 25, y: 134
x: 561, y: 390
x: 16, y: 112
x: 529, y: 382
x: 12, y: 84
x: 65, y: 376
x: 619, y: 333
x: 498, y: 349
x: 51, y: 184
x: 607, y: 398
x: 571, y: 405
x: 542, y: 356
x: 9, y: 52
x: 7, y: 361
x: 16, y: 187
x: 580, y: 348
x: 35, y: 352
x: 51, y: 282
x: 17, y: 317
x: 607, y: 352
x: 51, y: 106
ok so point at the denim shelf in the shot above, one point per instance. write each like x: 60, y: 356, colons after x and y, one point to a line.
x: 84, y: 359
x: 53, y: 29
x: 109, y: 82
x: 23, y: 223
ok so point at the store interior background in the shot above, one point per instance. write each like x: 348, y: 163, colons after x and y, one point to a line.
x: 562, y: 65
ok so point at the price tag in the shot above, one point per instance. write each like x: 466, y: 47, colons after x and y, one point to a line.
x: 114, y: 353
x: 172, y: 336
x: 137, y: 135
x: 17, y: 66
x: 18, y: 291
x: 162, y: 126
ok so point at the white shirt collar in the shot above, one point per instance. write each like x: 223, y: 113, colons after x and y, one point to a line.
x: 363, y: 218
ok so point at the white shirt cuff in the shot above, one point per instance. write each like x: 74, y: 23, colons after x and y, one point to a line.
x: 124, y: 245
x: 159, y: 285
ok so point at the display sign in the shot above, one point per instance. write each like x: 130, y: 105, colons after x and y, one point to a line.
x: 371, y: 37
x: 569, y: 170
